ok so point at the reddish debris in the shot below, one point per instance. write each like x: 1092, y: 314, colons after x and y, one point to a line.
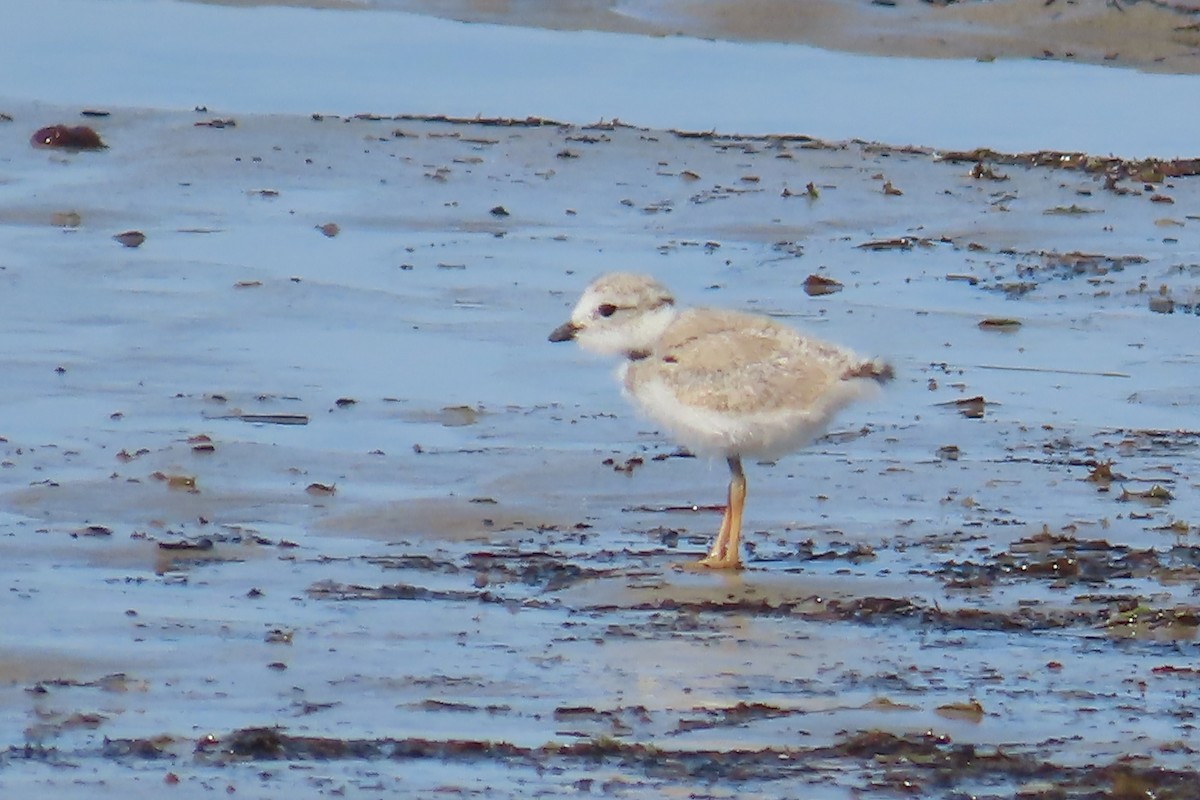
x: 80, y: 137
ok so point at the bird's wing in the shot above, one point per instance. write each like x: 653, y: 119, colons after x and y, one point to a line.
x: 732, y: 362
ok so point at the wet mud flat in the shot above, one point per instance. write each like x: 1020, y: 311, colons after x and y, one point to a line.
x: 295, y: 496
x: 1152, y: 36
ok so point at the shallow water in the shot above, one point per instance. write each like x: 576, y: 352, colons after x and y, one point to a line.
x: 300, y: 61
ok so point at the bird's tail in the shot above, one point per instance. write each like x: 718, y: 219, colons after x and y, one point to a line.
x: 875, y: 369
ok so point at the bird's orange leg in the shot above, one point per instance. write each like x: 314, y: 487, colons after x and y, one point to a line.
x: 726, y: 550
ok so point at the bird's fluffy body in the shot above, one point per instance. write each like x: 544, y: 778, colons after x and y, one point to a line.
x: 723, y: 383
x: 728, y: 383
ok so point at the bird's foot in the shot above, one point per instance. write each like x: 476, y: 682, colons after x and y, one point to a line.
x: 712, y: 562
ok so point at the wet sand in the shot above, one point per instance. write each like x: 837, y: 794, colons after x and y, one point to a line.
x: 297, y: 497
x: 1159, y: 37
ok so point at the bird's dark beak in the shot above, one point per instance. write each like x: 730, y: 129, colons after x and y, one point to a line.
x: 564, y: 333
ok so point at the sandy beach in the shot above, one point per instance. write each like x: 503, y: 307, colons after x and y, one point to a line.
x: 1155, y: 36
x: 296, y: 498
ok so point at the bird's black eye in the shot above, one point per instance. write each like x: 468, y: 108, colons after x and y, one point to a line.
x: 606, y: 310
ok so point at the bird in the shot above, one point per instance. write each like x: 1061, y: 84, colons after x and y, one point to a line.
x: 723, y: 383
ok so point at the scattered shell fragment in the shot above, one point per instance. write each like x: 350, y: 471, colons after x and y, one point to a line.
x: 970, y: 711
x: 202, y: 443
x: 458, y: 416
x: 1162, y: 305
x: 628, y: 467
x: 898, y: 243
x: 279, y: 636
x: 949, y: 452
x: 887, y: 704
x: 185, y: 483
x: 200, y: 545
x: 131, y: 238
x: 969, y: 407
x: 270, y: 419
x: 1003, y: 324
x: 983, y: 171
x: 66, y: 219
x: 1156, y: 495
x: 816, y: 285
x: 1071, y: 210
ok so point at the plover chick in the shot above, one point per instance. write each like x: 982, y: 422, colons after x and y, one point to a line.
x: 723, y: 383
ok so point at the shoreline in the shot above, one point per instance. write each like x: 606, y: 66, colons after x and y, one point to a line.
x: 1158, y: 37
x: 270, y: 59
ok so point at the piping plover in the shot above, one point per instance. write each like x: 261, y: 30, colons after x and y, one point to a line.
x: 723, y: 383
